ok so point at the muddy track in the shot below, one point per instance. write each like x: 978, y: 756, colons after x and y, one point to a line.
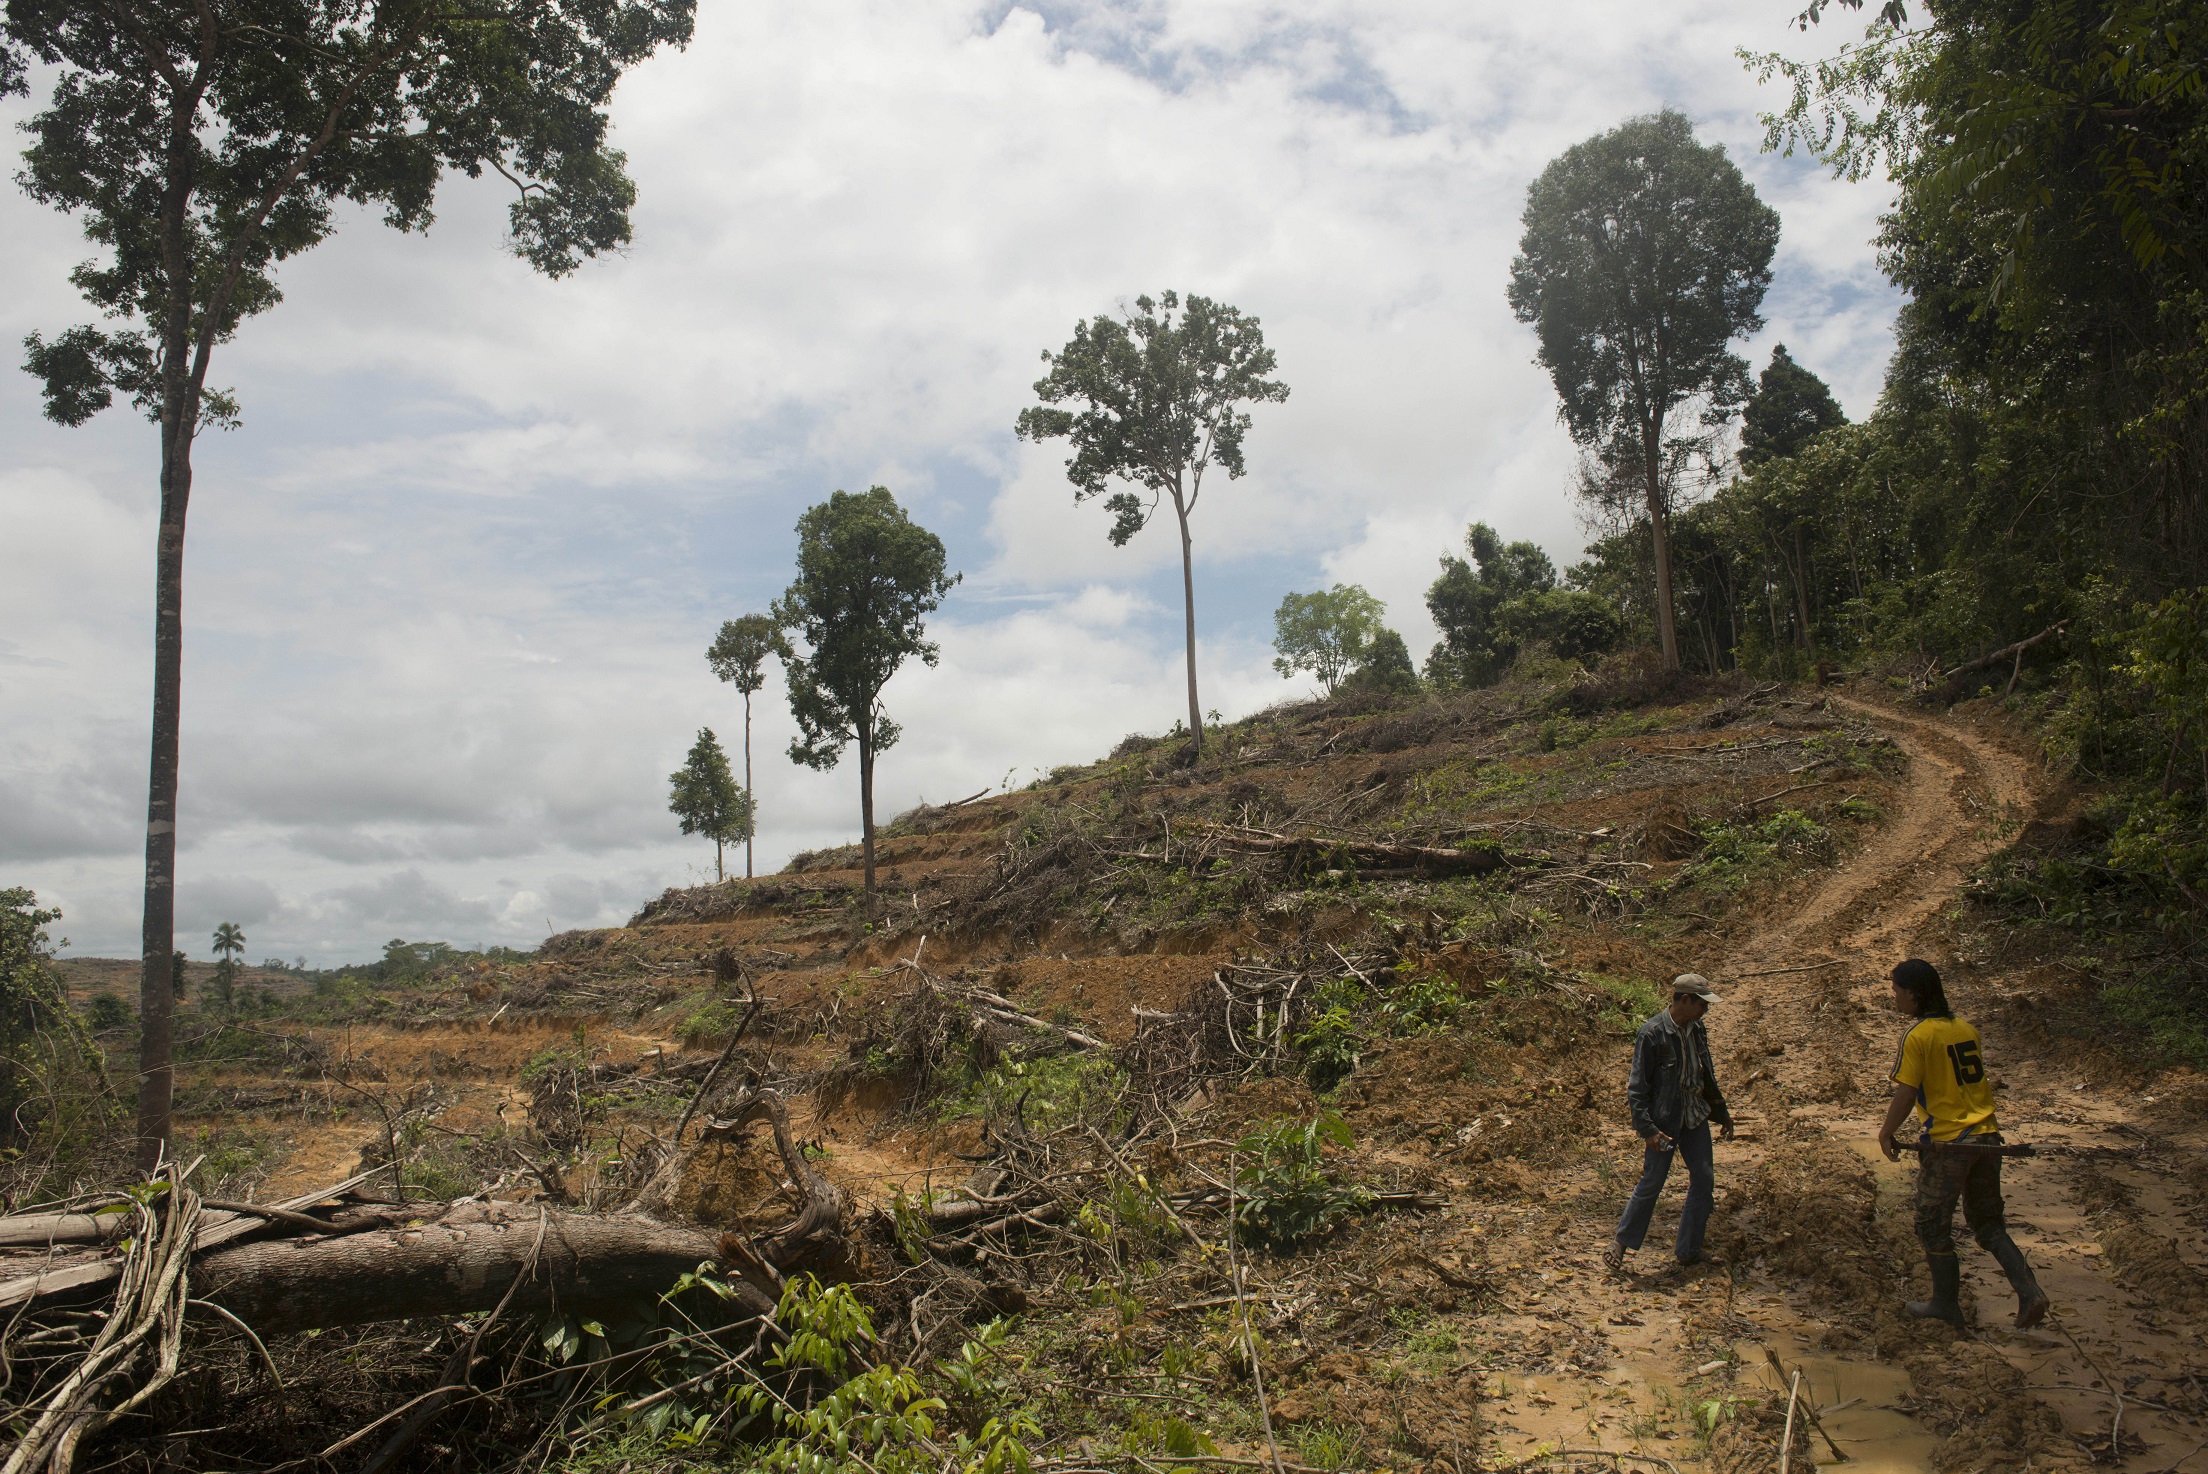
x: 1880, y: 904
x: 2112, y: 1181
x: 2107, y: 1216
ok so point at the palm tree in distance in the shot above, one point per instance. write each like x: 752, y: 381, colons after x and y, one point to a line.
x: 229, y: 947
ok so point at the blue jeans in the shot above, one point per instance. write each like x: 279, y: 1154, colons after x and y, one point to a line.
x: 1701, y: 1188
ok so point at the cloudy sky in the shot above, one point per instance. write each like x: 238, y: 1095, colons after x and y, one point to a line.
x: 449, y: 587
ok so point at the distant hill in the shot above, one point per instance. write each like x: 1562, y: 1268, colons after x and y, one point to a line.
x: 83, y: 977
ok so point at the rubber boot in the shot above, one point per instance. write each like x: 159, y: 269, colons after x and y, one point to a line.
x: 1947, y: 1289
x: 2031, y: 1300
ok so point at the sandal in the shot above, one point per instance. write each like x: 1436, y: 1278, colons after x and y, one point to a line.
x: 1613, y: 1258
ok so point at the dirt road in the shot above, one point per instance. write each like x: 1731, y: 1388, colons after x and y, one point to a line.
x: 2102, y: 1214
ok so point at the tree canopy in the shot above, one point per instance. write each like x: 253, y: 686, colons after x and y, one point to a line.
x: 202, y: 144
x: 1790, y: 408
x: 1162, y: 389
x: 1645, y: 254
x: 867, y: 578
x: 739, y: 653
x: 706, y: 797
x: 1466, y: 600
x: 1326, y: 633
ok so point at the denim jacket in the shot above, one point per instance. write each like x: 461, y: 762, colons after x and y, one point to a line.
x: 1652, y: 1091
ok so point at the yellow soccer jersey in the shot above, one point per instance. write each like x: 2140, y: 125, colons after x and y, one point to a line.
x: 1942, y: 1061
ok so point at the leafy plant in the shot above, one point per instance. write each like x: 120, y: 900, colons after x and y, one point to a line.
x: 883, y: 1418
x: 1420, y: 1001
x: 1328, y: 1045
x: 1732, y: 854
x: 1288, y: 1190
x: 1046, y: 1093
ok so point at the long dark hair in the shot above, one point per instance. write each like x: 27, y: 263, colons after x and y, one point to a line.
x: 1922, y: 980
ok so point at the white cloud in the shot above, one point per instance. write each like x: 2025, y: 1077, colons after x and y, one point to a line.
x: 450, y: 586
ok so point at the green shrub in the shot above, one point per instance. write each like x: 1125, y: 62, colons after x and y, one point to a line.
x: 1329, y: 1046
x: 105, y: 1011
x: 1046, y: 1093
x: 1734, y: 854
x: 710, y: 1026
x: 1419, y: 1002
x: 1289, y: 1192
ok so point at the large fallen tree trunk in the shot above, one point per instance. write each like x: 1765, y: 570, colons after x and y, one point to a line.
x: 330, y: 1259
x: 464, y: 1259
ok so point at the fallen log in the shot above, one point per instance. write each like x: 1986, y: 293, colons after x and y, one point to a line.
x: 1366, y: 854
x: 368, y: 1261
x: 461, y: 1260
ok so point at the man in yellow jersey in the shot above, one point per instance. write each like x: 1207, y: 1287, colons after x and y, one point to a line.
x: 1941, y: 1072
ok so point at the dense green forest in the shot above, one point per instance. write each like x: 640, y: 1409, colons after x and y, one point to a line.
x: 2034, y: 466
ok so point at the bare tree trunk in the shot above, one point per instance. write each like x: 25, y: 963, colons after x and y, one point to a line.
x: 1188, y: 607
x: 751, y: 799
x: 719, y: 872
x: 179, y: 419
x: 1803, y: 637
x: 1667, y: 624
x: 866, y: 808
x: 1667, y: 627
x: 157, y: 976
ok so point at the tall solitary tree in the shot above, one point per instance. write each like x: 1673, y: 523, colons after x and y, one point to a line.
x: 229, y: 942
x: 867, y: 577
x: 738, y: 655
x: 201, y: 142
x: 703, y: 794
x: 1163, y: 389
x: 1645, y: 254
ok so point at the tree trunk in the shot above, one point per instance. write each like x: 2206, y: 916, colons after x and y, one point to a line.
x: 720, y: 872
x: 462, y: 1261
x: 307, y: 1263
x: 751, y: 799
x: 1801, y: 593
x: 179, y: 419
x: 1667, y: 626
x: 866, y: 809
x: 1188, y: 608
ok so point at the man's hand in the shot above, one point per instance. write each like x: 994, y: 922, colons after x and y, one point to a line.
x: 1899, y: 1106
x: 1658, y: 1141
x: 1725, y: 1131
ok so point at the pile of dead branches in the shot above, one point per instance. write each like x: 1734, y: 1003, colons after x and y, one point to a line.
x: 96, y: 1293
x: 1241, y: 1022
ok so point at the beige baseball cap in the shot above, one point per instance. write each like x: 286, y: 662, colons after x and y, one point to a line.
x: 1694, y: 985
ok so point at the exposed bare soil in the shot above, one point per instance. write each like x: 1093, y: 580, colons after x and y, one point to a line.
x: 1485, y: 1331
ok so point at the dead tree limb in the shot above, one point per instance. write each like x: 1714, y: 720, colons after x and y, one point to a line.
x: 1369, y: 854
x: 2013, y: 652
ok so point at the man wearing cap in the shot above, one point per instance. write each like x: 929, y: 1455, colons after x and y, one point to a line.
x: 1673, y: 1094
x: 1941, y: 1071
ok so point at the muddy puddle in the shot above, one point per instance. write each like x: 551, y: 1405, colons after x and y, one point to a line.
x: 1858, y: 1403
